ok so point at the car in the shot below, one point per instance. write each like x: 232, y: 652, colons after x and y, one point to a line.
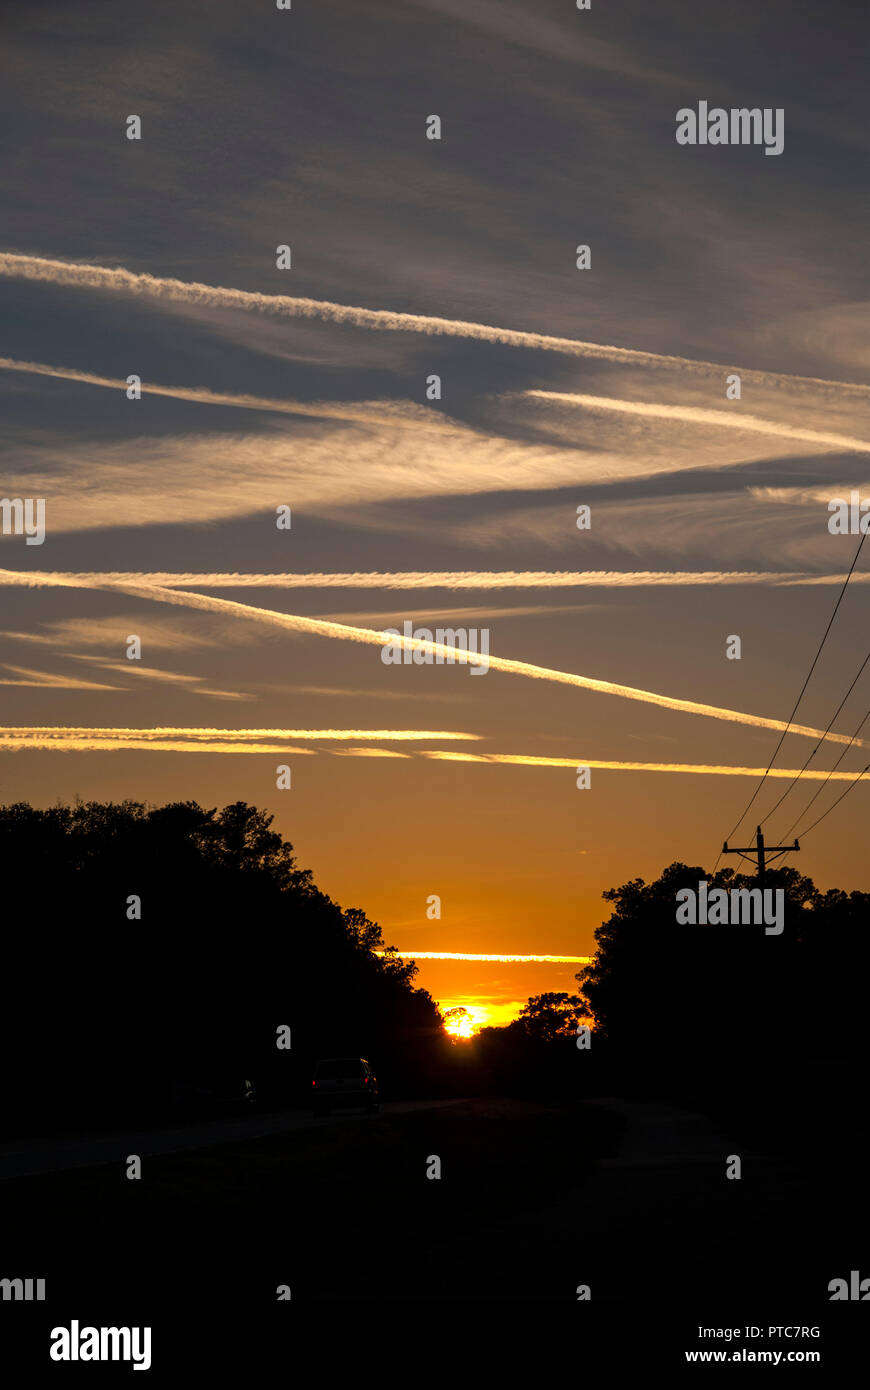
x: 344, y: 1082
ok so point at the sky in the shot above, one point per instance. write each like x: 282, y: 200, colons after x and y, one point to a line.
x: 305, y: 387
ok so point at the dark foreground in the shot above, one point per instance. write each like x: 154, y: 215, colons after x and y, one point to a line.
x: 535, y: 1201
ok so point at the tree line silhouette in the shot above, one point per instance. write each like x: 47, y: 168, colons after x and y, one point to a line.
x: 768, y: 1031
x: 109, y: 1017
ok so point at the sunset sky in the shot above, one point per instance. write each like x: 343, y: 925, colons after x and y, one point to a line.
x: 603, y: 387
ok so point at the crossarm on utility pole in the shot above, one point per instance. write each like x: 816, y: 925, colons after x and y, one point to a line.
x: 760, y: 851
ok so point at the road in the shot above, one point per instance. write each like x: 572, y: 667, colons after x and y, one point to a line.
x: 650, y: 1216
x: 28, y: 1157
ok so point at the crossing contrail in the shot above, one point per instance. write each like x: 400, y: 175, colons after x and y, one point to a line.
x: 346, y: 632
x: 407, y: 415
x: 98, y: 277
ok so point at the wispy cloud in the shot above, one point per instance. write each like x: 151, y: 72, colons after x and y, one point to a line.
x: 108, y: 634
x: 460, y: 613
x: 47, y: 680
x: 355, y: 467
x: 531, y: 31
x: 148, y: 673
x: 807, y: 496
x: 328, y: 467
x: 194, y: 684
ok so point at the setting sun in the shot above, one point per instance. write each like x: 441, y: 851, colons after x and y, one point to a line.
x: 459, y: 1027
x: 463, y: 1020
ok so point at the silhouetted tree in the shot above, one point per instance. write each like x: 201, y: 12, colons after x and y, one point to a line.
x: 550, y: 1016
x: 770, y: 1023
x: 105, y: 1012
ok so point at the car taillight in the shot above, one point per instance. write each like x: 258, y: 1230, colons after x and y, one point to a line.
x: 314, y: 1083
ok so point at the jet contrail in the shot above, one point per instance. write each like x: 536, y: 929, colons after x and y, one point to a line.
x: 15, y: 741
x: 44, y: 736
x: 702, y: 769
x: 425, y: 579
x: 407, y: 415
x: 62, y: 738
x: 97, y: 277
x: 410, y: 417
x: 506, y: 960
x: 370, y: 753
x: 326, y: 628
x: 694, y: 415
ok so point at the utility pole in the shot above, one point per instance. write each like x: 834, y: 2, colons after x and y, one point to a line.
x: 761, y: 852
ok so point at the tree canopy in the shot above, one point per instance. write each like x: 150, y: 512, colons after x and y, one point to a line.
x: 234, y: 941
x: 729, y: 995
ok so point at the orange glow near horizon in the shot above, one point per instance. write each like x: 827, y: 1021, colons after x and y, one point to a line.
x: 493, y: 1014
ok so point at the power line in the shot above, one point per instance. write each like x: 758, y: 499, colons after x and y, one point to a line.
x: 837, y: 802
x: 821, y: 788
x: 796, y: 779
x: 782, y: 736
